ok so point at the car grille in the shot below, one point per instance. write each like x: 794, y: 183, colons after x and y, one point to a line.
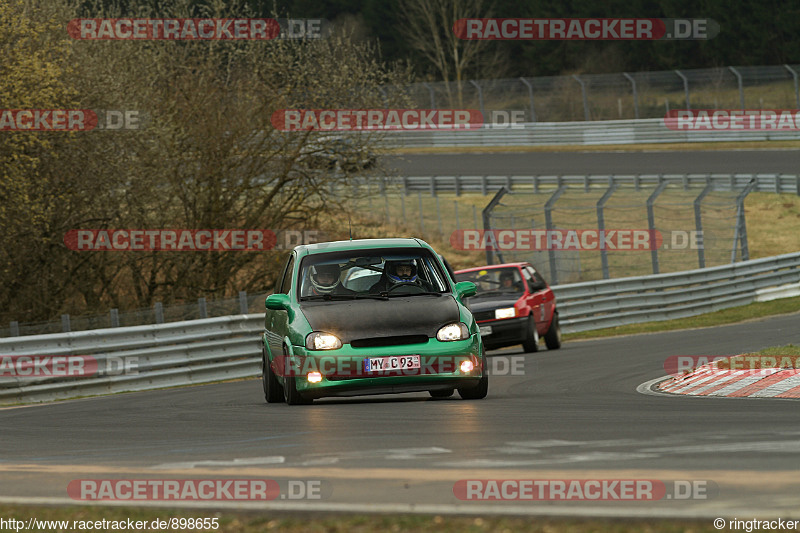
x: 395, y: 340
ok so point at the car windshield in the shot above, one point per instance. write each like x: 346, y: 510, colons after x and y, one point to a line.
x: 382, y: 272
x: 494, y: 281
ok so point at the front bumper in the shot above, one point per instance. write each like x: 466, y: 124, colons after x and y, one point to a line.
x: 343, y: 373
x: 505, y: 332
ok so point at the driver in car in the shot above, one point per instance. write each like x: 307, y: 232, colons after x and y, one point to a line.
x: 507, y: 282
x: 396, y: 273
x: 325, y: 280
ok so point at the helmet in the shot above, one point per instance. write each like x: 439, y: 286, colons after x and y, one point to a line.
x: 322, y: 270
x: 391, y: 271
x: 506, y: 275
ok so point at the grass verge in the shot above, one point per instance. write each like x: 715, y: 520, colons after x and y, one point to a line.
x: 253, y: 522
x: 717, y: 318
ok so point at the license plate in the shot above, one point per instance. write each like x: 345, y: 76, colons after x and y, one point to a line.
x: 486, y: 330
x: 394, y: 362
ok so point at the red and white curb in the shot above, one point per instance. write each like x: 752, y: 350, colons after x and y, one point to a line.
x: 708, y: 380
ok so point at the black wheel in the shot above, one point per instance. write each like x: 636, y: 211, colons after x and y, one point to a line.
x: 442, y: 393
x: 480, y: 390
x: 290, y: 392
x: 553, y: 336
x: 531, y: 342
x: 272, y: 389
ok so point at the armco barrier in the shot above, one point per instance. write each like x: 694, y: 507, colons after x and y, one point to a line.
x: 641, y: 131
x: 202, y: 351
x: 775, y: 183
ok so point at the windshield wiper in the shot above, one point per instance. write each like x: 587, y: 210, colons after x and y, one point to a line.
x: 394, y: 295
x: 341, y: 297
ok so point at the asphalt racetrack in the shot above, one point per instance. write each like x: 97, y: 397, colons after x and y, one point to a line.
x: 569, y: 414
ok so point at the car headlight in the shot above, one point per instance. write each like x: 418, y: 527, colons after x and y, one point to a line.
x: 506, y: 312
x: 457, y: 331
x: 319, y: 340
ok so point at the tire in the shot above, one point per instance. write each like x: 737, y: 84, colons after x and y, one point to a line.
x: 479, y: 391
x: 553, y: 336
x: 531, y: 342
x: 272, y: 389
x: 290, y: 393
x: 442, y: 393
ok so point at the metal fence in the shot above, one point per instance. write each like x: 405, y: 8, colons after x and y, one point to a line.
x: 202, y: 351
x: 624, y: 95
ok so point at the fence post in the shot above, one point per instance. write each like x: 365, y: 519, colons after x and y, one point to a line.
x: 530, y: 96
x: 548, y: 221
x: 159, y: 312
x: 698, y: 223
x: 421, y: 222
x: 201, y: 305
x: 585, y: 99
x: 13, y: 328
x: 740, y: 234
x: 685, y: 88
x: 115, y: 318
x: 433, y: 98
x: 243, y: 307
x: 741, y: 89
x: 651, y: 221
x: 601, y: 226
x: 635, y: 95
x: 796, y: 91
x: 480, y: 99
x: 65, y: 324
x: 487, y: 224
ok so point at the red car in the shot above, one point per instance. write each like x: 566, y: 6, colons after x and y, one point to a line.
x: 513, y: 305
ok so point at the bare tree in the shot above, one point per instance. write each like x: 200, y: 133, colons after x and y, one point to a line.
x: 428, y: 27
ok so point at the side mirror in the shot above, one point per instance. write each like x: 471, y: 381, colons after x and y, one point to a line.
x: 465, y: 289
x: 280, y: 302
x: 536, y: 287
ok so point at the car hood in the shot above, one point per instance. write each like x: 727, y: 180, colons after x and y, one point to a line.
x: 367, y: 318
x: 476, y: 305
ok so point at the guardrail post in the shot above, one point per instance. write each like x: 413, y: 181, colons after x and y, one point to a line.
x: 635, y: 95
x: 796, y: 88
x: 13, y: 328
x: 480, y: 98
x: 530, y: 97
x: 405, y: 185
x: 536, y: 185
x: 601, y: 226
x: 487, y: 224
x: 158, y: 309
x: 637, y: 178
x: 457, y: 185
x: 797, y: 184
x: 65, y: 324
x: 484, y: 185
x: 741, y: 89
x: 777, y: 183
x: 433, y: 185
x: 586, y: 115
x: 685, y: 88
x: 201, y: 306
x: 243, y: 307
x: 698, y: 223
x: 548, y: 222
x: 115, y: 318
x: 740, y: 233
x: 651, y: 221
x: 586, y: 183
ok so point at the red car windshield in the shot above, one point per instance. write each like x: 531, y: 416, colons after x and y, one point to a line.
x: 494, y: 281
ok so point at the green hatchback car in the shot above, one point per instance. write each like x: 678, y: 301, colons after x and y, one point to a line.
x: 370, y: 316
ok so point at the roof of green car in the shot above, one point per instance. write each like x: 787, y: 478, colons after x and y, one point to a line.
x: 360, y: 244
